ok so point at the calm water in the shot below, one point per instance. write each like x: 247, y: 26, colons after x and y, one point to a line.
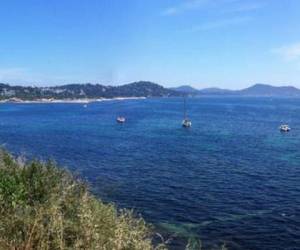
x: 233, y: 177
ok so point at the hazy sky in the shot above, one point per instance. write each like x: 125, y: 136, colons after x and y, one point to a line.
x: 224, y: 43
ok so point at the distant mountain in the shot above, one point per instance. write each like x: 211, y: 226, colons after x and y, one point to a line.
x: 80, y: 91
x: 268, y: 90
x: 186, y: 89
x: 258, y: 89
x: 215, y: 91
x: 208, y: 91
x: 135, y: 89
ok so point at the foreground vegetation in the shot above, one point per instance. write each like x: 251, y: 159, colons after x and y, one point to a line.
x: 45, y: 207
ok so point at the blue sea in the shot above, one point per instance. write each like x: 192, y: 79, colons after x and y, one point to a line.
x: 232, y: 178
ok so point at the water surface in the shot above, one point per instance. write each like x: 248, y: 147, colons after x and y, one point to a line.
x: 233, y: 177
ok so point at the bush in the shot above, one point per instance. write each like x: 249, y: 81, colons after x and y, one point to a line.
x: 45, y: 207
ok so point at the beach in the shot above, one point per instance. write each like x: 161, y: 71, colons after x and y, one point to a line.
x: 84, y: 101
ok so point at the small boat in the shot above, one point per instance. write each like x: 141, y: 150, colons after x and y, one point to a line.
x: 85, y: 105
x: 284, y: 128
x: 121, y: 119
x: 186, y: 123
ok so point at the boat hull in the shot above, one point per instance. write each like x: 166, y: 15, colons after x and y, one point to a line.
x: 186, y: 124
x: 121, y: 120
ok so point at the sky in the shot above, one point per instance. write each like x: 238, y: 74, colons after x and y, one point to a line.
x: 204, y: 43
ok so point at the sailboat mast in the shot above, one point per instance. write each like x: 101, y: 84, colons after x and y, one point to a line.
x: 184, y: 112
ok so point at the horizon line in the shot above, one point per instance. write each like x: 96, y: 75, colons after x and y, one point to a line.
x: 39, y: 85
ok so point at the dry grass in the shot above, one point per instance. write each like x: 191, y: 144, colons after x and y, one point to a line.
x: 45, y: 207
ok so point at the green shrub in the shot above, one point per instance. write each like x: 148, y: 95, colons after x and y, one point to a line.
x: 45, y: 207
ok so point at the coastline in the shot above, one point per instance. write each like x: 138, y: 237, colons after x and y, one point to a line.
x: 70, y: 101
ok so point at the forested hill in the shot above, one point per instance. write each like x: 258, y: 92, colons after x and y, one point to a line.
x: 259, y: 89
x: 80, y: 91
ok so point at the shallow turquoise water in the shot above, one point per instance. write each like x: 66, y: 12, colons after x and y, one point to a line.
x: 233, y: 177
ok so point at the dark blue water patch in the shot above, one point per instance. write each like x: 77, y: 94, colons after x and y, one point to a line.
x: 233, y: 177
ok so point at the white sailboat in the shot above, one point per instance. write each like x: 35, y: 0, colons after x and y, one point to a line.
x: 186, y: 123
x: 284, y: 128
x: 121, y: 119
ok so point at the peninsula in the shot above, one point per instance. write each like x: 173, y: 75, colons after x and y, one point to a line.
x: 83, y: 92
